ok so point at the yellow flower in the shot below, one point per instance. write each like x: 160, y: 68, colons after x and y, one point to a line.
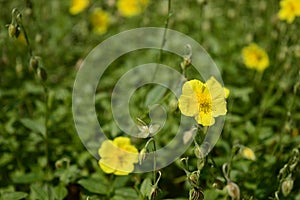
x: 248, y: 153
x: 77, y: 6
x: 129, y: 8
x: 255, y: 57
x: 289, y: 9
x: 99, y: 20
x: 204, y: 101
x: 118, y: 156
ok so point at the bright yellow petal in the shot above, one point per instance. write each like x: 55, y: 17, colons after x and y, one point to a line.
x: 215, y: 88
x: 218, y: 97
x: 205, y: 119
x: 121, y: 141
x: 106, y: 168
x: 121, y: 173
x: 219, y: 107
x: 188, y: 105
x: 188, y: 101
x: 227, y: 92
x: 106, y: 148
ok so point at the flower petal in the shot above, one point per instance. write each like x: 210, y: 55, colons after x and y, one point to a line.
x: 188, y: 105
x: 206, y: 119
x: 218, y: 97
x: 106, y: 168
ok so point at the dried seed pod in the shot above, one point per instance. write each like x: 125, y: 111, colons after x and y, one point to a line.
x: 193, y: 178
x: 287, y: 186
x: 196, y: 194
x: 33, y: 63
x: 233, y: 190
x: 42, y: 74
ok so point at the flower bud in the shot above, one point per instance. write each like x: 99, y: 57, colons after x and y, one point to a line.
x: 248, y: 153
x: 12, y: 30
x: 142, y: 155
x: 42, y: 74
x: 233, y: 190
x: 287, y: 186
x: 196, y: 194
x: 33, y: 63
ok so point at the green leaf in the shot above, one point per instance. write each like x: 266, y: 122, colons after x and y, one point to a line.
x: 13, y: 195
x: 94, y: 185
x: 60, y: 192
x: 28, y: 178
x: 146, y: 187
x: 34, y: 125
x: 38, y: 192
x: 120, y: 181
x: 126, y: 193
x: 155, y: 95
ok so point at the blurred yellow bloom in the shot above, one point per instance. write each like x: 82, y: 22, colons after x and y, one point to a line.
x: 248, y: 153
x: 118, y: 156
x: 77, y: 6
x: 129, y: 8
x: 99, y: 20
x: 255, y: 57
x: 204, y: 101
x: 289, y: 9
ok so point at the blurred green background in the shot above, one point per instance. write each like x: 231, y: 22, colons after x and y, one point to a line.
x: 48, y: 161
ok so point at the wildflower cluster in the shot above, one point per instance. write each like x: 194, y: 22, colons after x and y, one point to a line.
x: 100, y: 18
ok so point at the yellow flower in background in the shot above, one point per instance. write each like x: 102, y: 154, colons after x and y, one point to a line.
x: 204, y: 101
x: 118, y: 156
x: 99, y: 20
x: 289, y: 9
x: 248, y: 153
x: 129, y: 8
x: 255, y: 57
x: 77, y: 6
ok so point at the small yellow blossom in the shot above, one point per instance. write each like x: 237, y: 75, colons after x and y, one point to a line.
x: 204, y: 101
x: 248, y: 153
x: 77, y: 6
x: 255, y: 57
x: 118, y: 156
x: 99, y: 20
x: 130, y: 8
x: 289, y: 9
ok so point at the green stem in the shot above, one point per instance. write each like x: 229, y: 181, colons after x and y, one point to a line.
x: 18, y: 16
x: 46, y: 128
x: 164, y: 38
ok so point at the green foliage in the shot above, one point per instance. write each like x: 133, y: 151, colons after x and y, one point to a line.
x: 42, y: 156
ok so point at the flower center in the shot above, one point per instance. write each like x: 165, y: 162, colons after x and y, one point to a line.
x: 204, y: 101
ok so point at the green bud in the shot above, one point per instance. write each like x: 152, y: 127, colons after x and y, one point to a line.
x: 42, y: 74
x: 142, y: 155
x: 287, y: 186
x: 196, y: 194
